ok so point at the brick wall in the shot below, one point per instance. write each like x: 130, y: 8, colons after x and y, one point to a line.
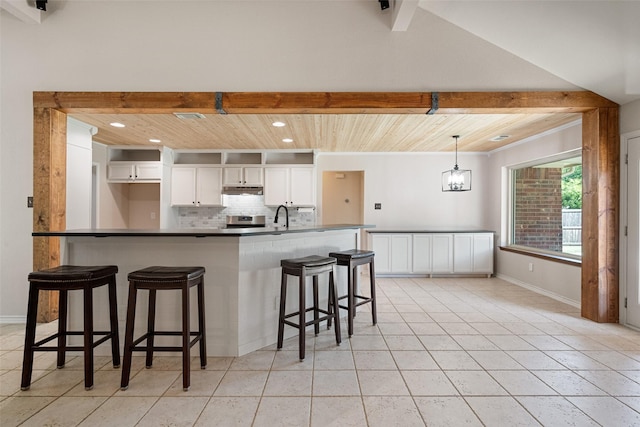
x: 538, y: 208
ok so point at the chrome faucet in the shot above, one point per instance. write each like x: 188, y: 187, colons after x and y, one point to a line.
x: 286, y: 212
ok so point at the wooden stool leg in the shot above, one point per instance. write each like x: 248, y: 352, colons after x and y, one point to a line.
x: 113, y: 318
x: 372, y: 278
x: 202, y: 325
x: 128, y: 337
x: 29, y: 337
x: 151, y: 327
x: 186, y: 362
x: 88, y: 338
x: 63, y: 303
x: 316, y: 313
x: 336, y: 312
x: 351, y: 309
x: 302, y: 318
x: 283, y: 303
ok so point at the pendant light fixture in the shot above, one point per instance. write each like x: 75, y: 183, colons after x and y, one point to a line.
x: 456, y: 179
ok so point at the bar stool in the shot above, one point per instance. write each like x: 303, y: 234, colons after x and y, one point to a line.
x: 163, y: 278
x: 67, y: 278
x: 312, y: 265
x: 352, y: 259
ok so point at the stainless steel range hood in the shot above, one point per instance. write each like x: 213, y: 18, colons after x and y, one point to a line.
x: 241, y: 191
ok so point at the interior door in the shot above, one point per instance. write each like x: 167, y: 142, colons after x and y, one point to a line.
x: 342, y: 197
x: 633, y: 233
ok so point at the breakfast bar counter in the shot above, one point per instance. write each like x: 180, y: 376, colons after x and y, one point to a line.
x: 242, y: 279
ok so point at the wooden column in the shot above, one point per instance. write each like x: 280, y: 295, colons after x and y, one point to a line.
x: 49, y: 196
x: 600, y: 214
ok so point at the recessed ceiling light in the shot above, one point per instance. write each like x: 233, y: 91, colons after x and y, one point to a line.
x: 499, y: 138
x: 155, y: 140
x: 278, y: 124
x: 287, y: 140
x: 117, y: 125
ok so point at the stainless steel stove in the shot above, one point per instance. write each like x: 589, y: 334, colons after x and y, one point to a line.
x: 240, y: 221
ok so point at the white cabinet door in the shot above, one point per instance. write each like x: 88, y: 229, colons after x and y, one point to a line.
x: 191, y: 186
x: 463, y: 253
x: 253, y: 176
x: 148, y: 171
x: 483, y: 253
x: 243, y: 176
x: 289, y: 186
x: 120, y: 171
x: 381, y: 245
x: 183, y: 186
x: 276, y: 186
x: 401, y: 253
x: 131, y: 172
x: 208, y: 186
x: 421, y: 253
x: 302, y: 188
x: 442, y: 253
x: 233, y: 176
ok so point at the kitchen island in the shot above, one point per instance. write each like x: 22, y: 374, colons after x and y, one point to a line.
x: 242, y: 280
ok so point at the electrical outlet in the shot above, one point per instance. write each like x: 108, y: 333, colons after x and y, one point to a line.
x: 29, y: 201
x: 377, y: 206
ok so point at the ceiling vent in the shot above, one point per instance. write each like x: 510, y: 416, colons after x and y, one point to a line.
x: 189, y: 116
x: 499, y: 138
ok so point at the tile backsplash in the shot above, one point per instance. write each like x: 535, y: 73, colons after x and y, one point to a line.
x: 216, y: 217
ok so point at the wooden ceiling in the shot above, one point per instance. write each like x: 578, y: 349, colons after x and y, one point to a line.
x: 325, y: 132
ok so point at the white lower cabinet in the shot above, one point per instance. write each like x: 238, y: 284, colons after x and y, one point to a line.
x: 442, y: 254
x: 433, y: 253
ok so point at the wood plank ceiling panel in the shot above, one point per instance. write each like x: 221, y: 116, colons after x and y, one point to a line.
x: 325, y: 132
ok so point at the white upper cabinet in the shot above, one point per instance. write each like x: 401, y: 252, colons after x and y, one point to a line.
x: 134, y: 165
x: 196, y: 186
x: 249, y: 176
x: 289, y: 186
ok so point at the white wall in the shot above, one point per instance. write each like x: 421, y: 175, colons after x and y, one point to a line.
x: 408, y: 186
x: 630, y: 117
x: 558, y: 280
x: 79, y: 163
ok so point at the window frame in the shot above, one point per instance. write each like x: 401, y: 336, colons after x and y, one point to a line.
x: 510, y: 246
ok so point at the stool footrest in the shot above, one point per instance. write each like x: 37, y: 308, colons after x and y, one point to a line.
x: 327, y: 316
x: 38, y: 346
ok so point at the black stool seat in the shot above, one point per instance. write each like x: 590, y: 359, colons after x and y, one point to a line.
x: 66, y: 278
x: 166, y: 275
x: 352, y: 258
x: 312, y: 265
x: 163, y: 278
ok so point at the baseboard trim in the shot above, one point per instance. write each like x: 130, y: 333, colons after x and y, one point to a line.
x: 13, y: 319
x: 539, y: 290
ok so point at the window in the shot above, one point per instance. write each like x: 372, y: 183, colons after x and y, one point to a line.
x: 546, y: 205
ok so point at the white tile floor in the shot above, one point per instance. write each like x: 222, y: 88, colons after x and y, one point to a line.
x: 448, y: 352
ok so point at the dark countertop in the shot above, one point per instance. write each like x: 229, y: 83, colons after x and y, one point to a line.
x: 196, y: 232
x: 426, y: 229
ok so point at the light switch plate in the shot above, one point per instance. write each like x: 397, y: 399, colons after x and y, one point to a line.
x: 30, y: 201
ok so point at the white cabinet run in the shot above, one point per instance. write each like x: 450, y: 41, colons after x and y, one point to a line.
x: 196, y: 186
x: 433, y: 253
x: 249, y: 176
x: 134, y: 171
x: 289, y: 186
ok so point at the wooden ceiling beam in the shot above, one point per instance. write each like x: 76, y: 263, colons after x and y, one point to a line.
x: 126, y: 102
x: 320, y: 102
